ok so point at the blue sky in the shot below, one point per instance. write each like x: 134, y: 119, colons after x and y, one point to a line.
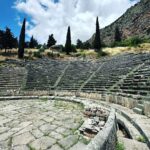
x: 58, y: 15
x: 8, y: 16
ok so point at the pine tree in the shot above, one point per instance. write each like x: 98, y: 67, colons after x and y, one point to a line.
x: 97, y: 40
x: 15, y: 43
x: 9, y: 38
x: 68, y: 47
x: 51, y: 41
x: 86, y: 45
x: 117, y: 37
x: 79, y: 44
x: 22, y: 40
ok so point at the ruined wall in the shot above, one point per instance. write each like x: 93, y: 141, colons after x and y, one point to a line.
x: 106, y: 138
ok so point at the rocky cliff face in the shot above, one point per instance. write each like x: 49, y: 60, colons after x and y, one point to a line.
x: 135, y: 22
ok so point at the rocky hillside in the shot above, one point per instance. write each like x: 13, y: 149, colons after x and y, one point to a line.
x: 134, y: 22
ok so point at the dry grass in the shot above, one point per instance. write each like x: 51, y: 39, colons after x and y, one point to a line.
x: 83, y: 53
x: 117, y: 50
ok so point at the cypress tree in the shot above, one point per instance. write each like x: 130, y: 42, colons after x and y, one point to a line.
x: 68, y: 47
x: 97, y: 40
x: 117, y: 37
x: 31, y: 44
x: 22, y: 40
x: 1, y: 39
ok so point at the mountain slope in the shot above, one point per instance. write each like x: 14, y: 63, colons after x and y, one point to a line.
x: 134, y: 22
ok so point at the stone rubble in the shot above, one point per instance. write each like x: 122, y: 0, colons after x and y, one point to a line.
x: 95, y: 119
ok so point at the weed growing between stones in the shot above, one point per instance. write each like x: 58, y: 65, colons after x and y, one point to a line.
x: 141, y: 139
x: 10, y: 142
x: 44, y: 99
x: 31, y: 148
x: 68, y: 105
x: 84, y: 140
x: 120, y: 146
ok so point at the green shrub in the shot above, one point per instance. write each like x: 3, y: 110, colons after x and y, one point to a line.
x: 37, y: 54
x: 42, y: 49
x: 120, y: 146
x: 73, y: 47
x: 30, y: 53
x: 130, y: 42
x: 53, y: 55
x: 50, y: 54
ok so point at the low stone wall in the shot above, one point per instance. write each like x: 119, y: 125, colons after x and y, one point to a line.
x: 124, y: 101
x: 128, y: 102
x: 106, y: 138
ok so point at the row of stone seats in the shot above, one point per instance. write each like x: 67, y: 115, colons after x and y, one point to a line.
x: 43, y: 73
x: 102, y: 76
x: 76, y: 74
x: 137, y: 83
x: 114, y: 70
x: 12, y: 79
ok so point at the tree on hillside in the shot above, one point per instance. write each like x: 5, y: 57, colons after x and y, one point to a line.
x: 97, y: 41
x: 15, y: 42
x: 51, y: 41
x: 33, y: 43
x: 68, y: 47
x: 22, y: 40
x: 86, y: 45
x: 1, y: 39
x: 7, y: 39
x: 79, y: 44
x: 117, y: 37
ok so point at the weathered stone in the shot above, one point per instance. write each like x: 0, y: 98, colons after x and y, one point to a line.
x: 20, y: 147
x: 22, y: 139
x: 68, y: 141
x: 47, y: 128
x: 5, y: 136
x: 55, y: 135
x: 78, y: 146
x: 37, y: 133
x: 43, y: 143
x: 55, y: 147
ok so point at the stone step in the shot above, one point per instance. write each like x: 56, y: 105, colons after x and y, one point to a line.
x: 140, y: 106
x: 138, y: 110
x: 18, y: 98
x: 130, y: 144
x: 7, y: 87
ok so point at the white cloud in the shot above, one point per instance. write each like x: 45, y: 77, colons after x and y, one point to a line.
x: 48, y: 17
